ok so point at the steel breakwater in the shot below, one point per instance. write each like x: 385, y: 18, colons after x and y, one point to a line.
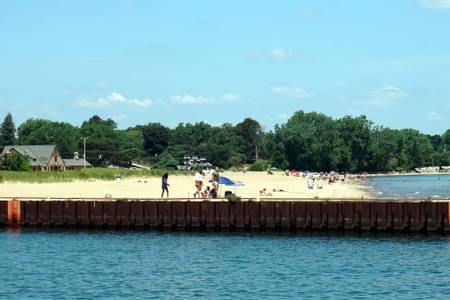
x: 276, y: 215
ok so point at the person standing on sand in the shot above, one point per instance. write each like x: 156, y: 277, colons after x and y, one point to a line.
x: 198, y: 178
x: 164, y: 184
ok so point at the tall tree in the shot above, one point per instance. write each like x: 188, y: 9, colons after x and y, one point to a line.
x: 251, y: 131
x: 8, y: 131
x: 39, y: 131
x: 156, y: 138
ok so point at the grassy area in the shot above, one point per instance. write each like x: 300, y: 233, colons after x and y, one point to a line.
x: 87, y: 174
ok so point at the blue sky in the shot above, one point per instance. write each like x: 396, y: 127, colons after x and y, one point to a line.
x: 187, y: 61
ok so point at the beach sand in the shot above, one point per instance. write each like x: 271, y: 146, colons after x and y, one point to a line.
x: 183, y: 187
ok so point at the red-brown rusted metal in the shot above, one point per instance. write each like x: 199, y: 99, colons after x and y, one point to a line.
x: 96, y: 213
x: 414, y: 216
x: 83, y: 213
x: 193, y: 210
x: 399, y: 222
x: 253, y: 211
x: 29, y: 212
x: 4, y: 213
x: 45, y: 213
x: 109, y: 213
x: 268, y: 214
x: 165, y: 214
x: 348, y: 212
x: 431, y: 216
x: 151, y: 214
x: 137, y: 213
x: 284, y: 215
x: 56, y: 208
x: 239, y: 213
x: 314, y: 215
x: 367, y: 216
x: 209, y: 209
x: 123, y: 210
x: 223, y: 214
x: 299, y: 214
x: 382, y: 215
x: 14, y: 212
x: 179, y: 209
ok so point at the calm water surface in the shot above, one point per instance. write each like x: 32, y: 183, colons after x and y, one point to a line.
x: 420, y: 186
x: 56, y: 264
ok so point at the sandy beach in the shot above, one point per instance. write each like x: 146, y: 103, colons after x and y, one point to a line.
x: 183, y: 187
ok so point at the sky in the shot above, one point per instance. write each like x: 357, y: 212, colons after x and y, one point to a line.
x: 171, y: 61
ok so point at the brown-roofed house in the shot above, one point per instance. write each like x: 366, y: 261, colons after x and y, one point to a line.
x: 44, y: 157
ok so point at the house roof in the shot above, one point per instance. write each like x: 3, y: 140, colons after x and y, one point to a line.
x: 39, y: 154
x: 75, y: 163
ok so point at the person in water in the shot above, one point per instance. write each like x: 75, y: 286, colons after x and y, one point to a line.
x: 164, y: 184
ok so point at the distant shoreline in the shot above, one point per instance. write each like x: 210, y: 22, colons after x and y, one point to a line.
x: 406, y: 174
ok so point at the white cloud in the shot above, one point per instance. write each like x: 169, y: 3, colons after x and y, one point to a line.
x: 117, y: 97
x: 434, y: 116
x: 188, y: 99
x: 96, y: 103
x: 281, y: 54
x: 435, y: 4
x: 112, y: 99
x: 292, y: 92
x: 230, y: 98
x: 143, y: 102
x: 383, y: 97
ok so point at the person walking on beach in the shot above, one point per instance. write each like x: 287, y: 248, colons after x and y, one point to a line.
x: 198, y: 178
x: 164, y: 184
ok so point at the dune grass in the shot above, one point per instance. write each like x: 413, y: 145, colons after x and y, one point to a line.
x: 87, y: 174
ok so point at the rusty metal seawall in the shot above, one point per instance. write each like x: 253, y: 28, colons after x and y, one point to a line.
x: 282, y: 215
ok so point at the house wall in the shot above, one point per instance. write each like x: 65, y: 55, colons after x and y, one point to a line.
x: 55, y: 162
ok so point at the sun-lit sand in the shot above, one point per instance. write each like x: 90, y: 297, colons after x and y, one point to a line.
x: 183, y: 187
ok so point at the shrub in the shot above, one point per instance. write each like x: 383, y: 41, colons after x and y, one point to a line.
x: 15, y: 162
x: 259, y: 165
x: 233, y: 198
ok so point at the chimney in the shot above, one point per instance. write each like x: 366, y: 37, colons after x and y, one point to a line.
x: 76, y: 155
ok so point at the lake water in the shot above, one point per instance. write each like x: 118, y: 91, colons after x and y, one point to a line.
x: 420, y: 186
x: 56, y: 264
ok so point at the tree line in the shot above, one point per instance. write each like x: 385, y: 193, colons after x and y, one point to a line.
x: 306, y: 141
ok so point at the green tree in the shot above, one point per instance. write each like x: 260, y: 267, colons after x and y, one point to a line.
x: 103, y: 144
x: 15, y: 162
x: 8, y: 131
x: 166, y: 161
x: 356, y: 135
x: 251, y: 132
x: 40, y: 132
x: 156, y: 138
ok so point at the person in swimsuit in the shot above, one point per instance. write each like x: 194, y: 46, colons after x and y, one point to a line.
x: 198, y: 178
x: 164, y: 184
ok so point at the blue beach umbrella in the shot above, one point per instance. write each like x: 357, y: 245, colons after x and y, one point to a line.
x: 226, y: 181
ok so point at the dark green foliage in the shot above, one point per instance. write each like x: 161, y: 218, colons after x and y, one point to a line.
x: 44, y: 132
x: 259, y: 165
x: 166, y: 161
x: 156, y: 138
x: 7, y: 131
x: 14, y: 162
x: 307, y: 141
x: 251, y: 132
x: 103, y: 143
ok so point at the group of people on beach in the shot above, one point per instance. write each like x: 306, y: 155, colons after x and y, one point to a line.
x: 201, y: 190
x: 204, y: 190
